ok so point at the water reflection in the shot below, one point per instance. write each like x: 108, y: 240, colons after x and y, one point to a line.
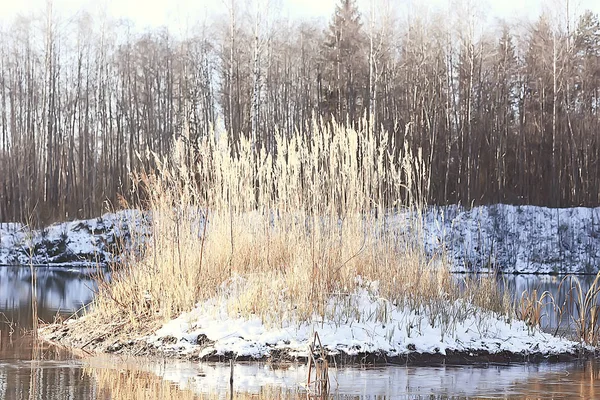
x: 59, y: 291
x: 582, y: 382
x: 252, y: 381
x: 32, y: 370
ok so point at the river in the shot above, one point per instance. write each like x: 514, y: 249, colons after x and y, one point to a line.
x: 30, y: 370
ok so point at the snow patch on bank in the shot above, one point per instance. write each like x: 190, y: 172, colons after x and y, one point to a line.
x: 210, y: 330
x: 523, y: 239
x: 75, y: 243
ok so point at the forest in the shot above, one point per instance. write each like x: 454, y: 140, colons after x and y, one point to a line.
x: 506, y: 112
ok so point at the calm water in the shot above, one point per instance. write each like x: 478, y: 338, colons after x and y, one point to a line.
x: 29, y: 370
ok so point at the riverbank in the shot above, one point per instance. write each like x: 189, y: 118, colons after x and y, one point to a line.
x: 504, y: 238
x: 515, y: 239
x: 72, y: 244
x: 374, y: 332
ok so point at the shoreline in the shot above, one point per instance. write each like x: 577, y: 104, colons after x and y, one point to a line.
x: 102, y: 266
x: 58, y: 335
x: 83, y: 265
x: 503, y: 238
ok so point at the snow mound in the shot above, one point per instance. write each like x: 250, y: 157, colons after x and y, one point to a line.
x: 209, y: 330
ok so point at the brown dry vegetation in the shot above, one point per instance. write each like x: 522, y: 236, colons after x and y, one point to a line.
x: 286, y: 232
x: 577, y: 316
x: 581, y: 307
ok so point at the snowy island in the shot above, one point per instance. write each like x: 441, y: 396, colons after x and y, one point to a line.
x: 209, y: 333
x: 360, y: 326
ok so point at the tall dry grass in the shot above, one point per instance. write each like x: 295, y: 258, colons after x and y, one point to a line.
x: 582, y: 308
x: 278, y: 234
x: 578, y: 314
x: 531, y: 308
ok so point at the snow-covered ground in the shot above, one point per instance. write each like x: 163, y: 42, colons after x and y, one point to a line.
x: 522, y: 239
x: 75, y: 243
x: 373, y: 327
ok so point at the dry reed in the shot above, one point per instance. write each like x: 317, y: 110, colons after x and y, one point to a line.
x: 318, y: 360
x: 583, y: 308
x: 530, y: 307
x: 580, y: 307
x: 277, y: 234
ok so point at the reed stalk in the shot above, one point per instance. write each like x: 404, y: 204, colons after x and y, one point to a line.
x: 277, y: 234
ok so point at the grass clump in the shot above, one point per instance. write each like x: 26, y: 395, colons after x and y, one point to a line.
x: 583, y: 308
x: 277, y: 233
x: 531, y: 308
x: 578, y: 315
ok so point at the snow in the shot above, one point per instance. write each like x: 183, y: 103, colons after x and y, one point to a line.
x: 521, y: 239
x: 402, y: 332
x: 513, y: 239
x: 75, y: 243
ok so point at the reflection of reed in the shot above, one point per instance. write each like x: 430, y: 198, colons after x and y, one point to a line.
x: 134, y: 383
x: 35, y: 371
x: 581, y: 383
x: 34, y: 304
x: 36, y: 352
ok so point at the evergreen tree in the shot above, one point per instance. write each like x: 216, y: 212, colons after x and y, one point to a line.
x: 343, y: 82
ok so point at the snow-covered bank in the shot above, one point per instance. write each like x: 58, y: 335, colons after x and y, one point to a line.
x: 359, y: 328
x: 516, y: 239
x: 513, y: 239
x: 75, y: 243
x: 373, y: 327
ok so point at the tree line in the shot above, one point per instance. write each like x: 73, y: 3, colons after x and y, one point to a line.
x: 506, y: 113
